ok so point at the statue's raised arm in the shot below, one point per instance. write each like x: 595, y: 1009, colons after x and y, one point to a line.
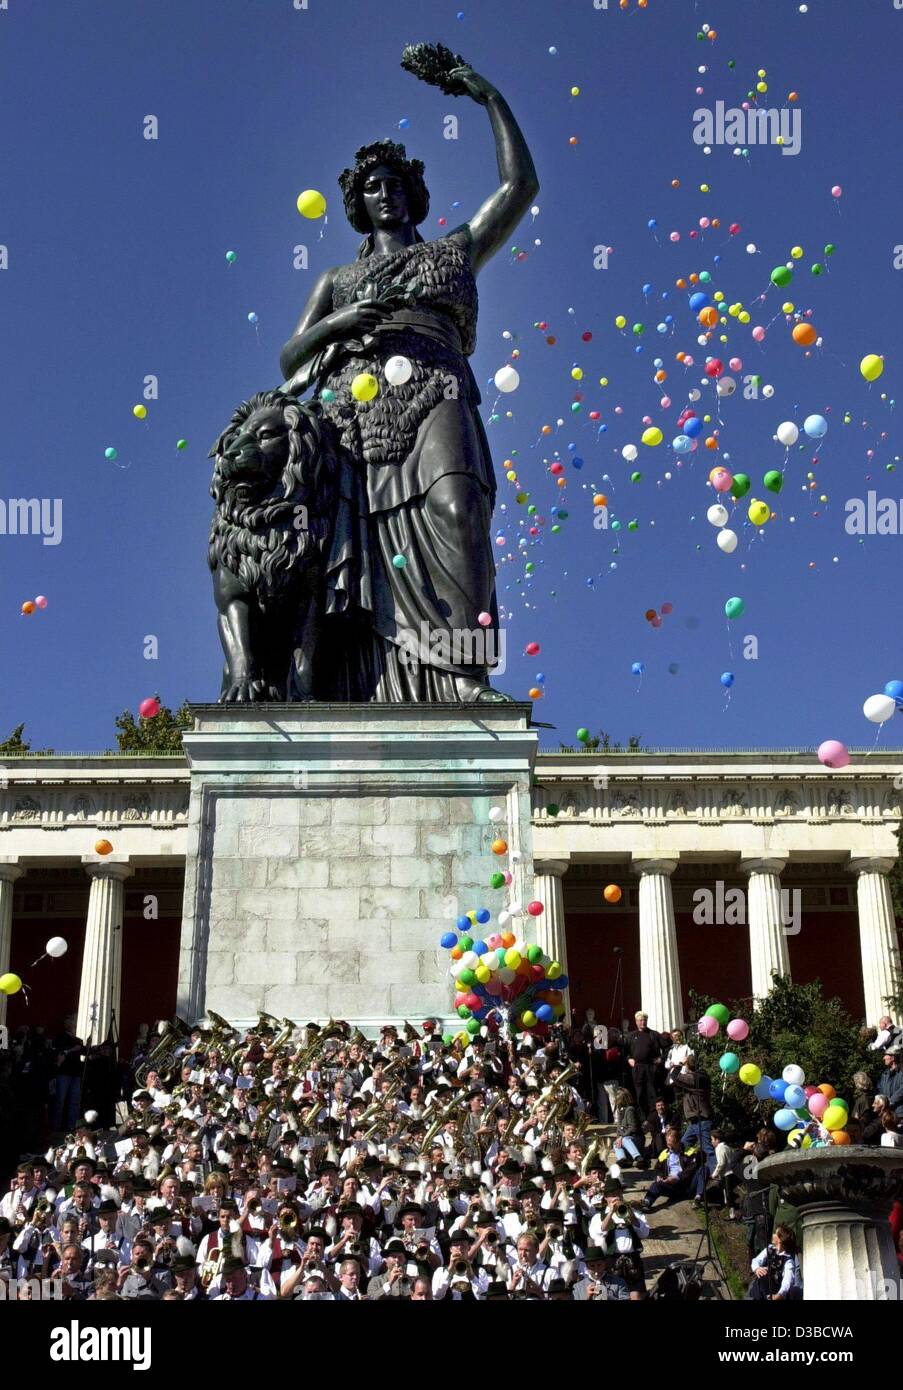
x: 494, y: 222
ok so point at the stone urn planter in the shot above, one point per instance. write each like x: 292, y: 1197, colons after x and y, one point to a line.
x: 844, y: 1195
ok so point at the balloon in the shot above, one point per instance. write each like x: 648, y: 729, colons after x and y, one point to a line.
x: 738, y: 1029
x: 828, y: 1091
x: 652, y: 436
x: 763, y: 1088
x: 10, y: 984
x: 793, y: 1075
x: 535, y: 909
x: 729, y: 1063
x: 721, y: 479
x: 804, y: 335
x: 496, y: 814
x: 832, y: 753
x: 311, y: 204
x: 28, y: 608
x: 448, y: 940
x: 787, y: 433
x: 871, y: 367
x: 835, y: 1117
x: 781, y: 275
x: 774, y: 481
x: 103, y: 847
x: 528, y: 1018
x: 364, y: 387
x: 758, y: 512
x: 149, y: 708
x: 727, y: 541
x: 840, y: 1136
x: 507, y: 379
x: 717, y: 514
x: 719, y: 1012
x: 110, y: 454
x: 785, y: 1120
x: 399, y: 562
x: 612, y: 893
x: 893, y: 688
x: 776, y: 1089
x: 727, y: 679
x: 398, y: 370
x: 879, y: 708
x: 139, y: 412
x: 708, y: 1027
x: 816, y: 426
x: 40, y: 601
x: 740, y: 486
x: 799, y: 1139
x: 231, y: 257
x: 252, y: 318
x: 629, y: 453
x: 57, y: 946
x: 794, y: 1097
x: 734, y: 608
x: 750, y: 1074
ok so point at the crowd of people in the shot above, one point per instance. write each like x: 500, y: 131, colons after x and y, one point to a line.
x: 314, y: 1164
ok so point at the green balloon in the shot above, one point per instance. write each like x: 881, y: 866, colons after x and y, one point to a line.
x: 734, y: 608
x: 639, y: 328
x: 583, y: 735
x: 818, y: 268
x: 830, y: 249
x: 740, y: 486
x: 635, y: 477
x: 781, y: 275
x: 497, y: 881
x: 447, y: 1039
x: 473, y: 1026
x: 839, y: 1101
x: 715, y: 1011
x: 633, y: 526
x: 562, y: 514
x: 466, y: 977
x: 463, y: 1011
x: 774, y: 480
x: 466, y: 943
x: 534, y: 953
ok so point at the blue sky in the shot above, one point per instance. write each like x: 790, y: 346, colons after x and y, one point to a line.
x: 116, y: 270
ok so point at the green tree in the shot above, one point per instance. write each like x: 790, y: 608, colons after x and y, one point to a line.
x: 162, y: 734
x: 17, y: 744
x: 795, y: 1023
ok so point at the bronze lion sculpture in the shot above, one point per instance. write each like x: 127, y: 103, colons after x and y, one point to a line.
x: 275, y: 485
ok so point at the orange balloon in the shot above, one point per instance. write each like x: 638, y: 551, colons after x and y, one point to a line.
x: 103, y: 847
x: 508, y: 939
x: 681, y: 284
x: 711, y: 442
x: 456, y: 953
x: 804, y: 334
x: 600, y: 500
x: 650, y: 614
x: 828, y: 1091
x: 500, y: 846
x: 840, y: 1136
x: 708, y: 317
x: 535, y: 693
x: 28, y: 607
x: 612, y: 894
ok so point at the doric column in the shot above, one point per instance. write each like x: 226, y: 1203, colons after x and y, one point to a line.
x: 550, y: 928
x: 877, y: 935
x: 661, y: 996
x: 101, y: 979
x: 10, y: 870
x: 767, y: 938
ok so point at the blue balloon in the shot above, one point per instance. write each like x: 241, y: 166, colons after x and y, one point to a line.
x: 540, y: 677
x: 252, y: 318
x: 449, y: 940
x: 693, y: 426
x: 479, y: 948
x: 560, y: 983
x: 637, y: 668
x: 647, y: 289
x: 483, y: 914
x: 545, y: 1013
x: 794, y: 1097
x: 785, y: 1120
x: 578, y: 463
x: 681, y: 444
x: 403, y: 123
x: 464, y: 924
x: 699, y: 301
x: 761, y: 1090
x: 816, y: 426
x: 777, y: 1088
x: 895, y: 690
x: 727, y: 679
x: 653, y: 222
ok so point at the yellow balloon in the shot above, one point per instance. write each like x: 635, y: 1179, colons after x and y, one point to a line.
x: 529, y: 1019
x: 620, y: 321
x: 139, y: 411
x: 483, y: 974
x: 871, y: 367
x: 553, y: 970
x: 364, y: 387
x: 758, y: 512
x: 750, y: 1074
x: 744, y: 316
x: 835, y: 1117
x: 512, y: 958
x: 511, y: 476
x: 796, y: 252
x: 10, y: 984
x: 311, y: 203
x: 652, y: 436
x: 577, y: 373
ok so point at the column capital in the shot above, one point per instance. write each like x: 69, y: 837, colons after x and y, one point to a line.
x: 764, y: 864
x: 116, y: 866
x: 553, y: 868
x: 643, y: 867
x: 870, y: 864
x: 10, y: 869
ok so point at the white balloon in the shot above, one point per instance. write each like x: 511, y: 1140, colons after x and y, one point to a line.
x: 496, y: 814
x: 491, y: 960
x: 398, y: 370
x: 727, y: 541
x: 793, y: 1075
x: 879, y: 708
x: 506, y: 975
x: 507, y: 379
x: 629, y: 453
x: 516, y: 909
x: 57, y: 946
x: 726, y: 386
x: 515, y: 855
x: 504, y: 918
x: 751, y: 248
x: 788, y: 433
x: 695, y: 395
x: 717, y: 514
x: 520, y: 945
x: 470, y: 959
x: 90, y: 1117
x: 455, y: 968
x: 768, y: 392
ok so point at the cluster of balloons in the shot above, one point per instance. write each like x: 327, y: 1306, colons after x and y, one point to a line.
x: 655, y: 619
x: 879, y: 708
x: 802, y: 1106
x: 499, y: 974
x: 716, y: 1017
x: 30, y: 604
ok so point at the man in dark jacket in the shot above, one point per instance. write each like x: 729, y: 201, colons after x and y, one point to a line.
x: 644, y: 1052
x: 677, y: 1175
x: 694, y: 1089
x: 891, y: 1084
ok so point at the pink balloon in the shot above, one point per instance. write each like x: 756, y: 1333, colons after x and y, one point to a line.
x: 759, y: 335
x: 485, y: 619
x: 837, y: 191
x: 722, y: 480
x: 509, y: 879
x: 708, y: 1027
x: 149, y: 708
x: 40, y: 601
x: 736, y: 364
x: 818, y: 1104
x: 832, y: 753
x: 738, y: 1029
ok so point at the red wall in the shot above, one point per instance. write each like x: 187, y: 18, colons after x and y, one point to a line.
x: 593, y: 966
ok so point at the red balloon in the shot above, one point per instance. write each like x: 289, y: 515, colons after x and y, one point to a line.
x: 150, y: 708
x: 535, y: 909
x: 715, y: 368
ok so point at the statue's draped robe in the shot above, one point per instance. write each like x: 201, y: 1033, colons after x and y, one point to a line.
x: 395, y: 448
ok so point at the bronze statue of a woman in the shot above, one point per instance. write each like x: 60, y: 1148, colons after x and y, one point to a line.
x: 411, y: 562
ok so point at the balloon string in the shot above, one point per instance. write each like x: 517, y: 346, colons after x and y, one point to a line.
x: 38, y: 961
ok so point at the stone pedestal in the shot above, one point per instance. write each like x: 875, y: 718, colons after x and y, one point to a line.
x: 331, y: 845
x: 844, y: 1196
